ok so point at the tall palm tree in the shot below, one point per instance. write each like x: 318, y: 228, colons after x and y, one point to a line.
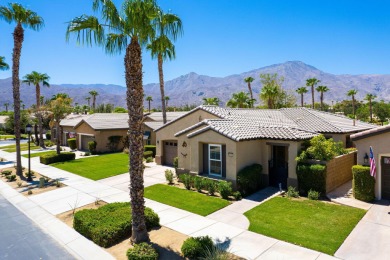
x: 6, y: 105
x: 311, y: 83
x: 214, y: 101
x: 301, y: 91
x: 240, y: 100
x: 35, y: 78
x: 23, y: 17
x: 88, y: 100
x: 166, y: 98
x: 249, y: 80
x: 149, y: 99
x: 322, y: 90
x: 352, y: 93
x: 93, y: 94
x: 168, y: 28
x: 269, y: 93
x: 369, y: 98
x: 125, y: 31
x: 3, y: 64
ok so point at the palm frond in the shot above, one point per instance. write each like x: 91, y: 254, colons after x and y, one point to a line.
x: 116, y: 43
x: 88, y: 30
x: 109, y: 13
x: 3, y: 64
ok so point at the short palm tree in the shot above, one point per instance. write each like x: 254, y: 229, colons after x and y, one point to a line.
x: 269, y: 93
x: 149, y: 99
x: 6, y: 105
x: 166, y: 98
x: 94, y: 94
x: 88, y: 100
x: 301, y: 91
x: 240, y: 100
x: 249, y: 80
x: 311, y: 83
x: 3, y: 64
x: 352, y: 93
x: 214, y: 101
x: 369, y: 98
x: 125, y: 29
x: 169, y: 27
x: 322, y: 90
x: 23, y: 17
x: 35, y: 78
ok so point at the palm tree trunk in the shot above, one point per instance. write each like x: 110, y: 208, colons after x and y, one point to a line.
x: 353, y: 110
x: 58, y: 136
x: 18, y: 40
x: 250, y: 91
x: 93, y: 102
x: 370, y: 111
x: 322, y: 101
x: 39, y: 115
x: 161, y: 78
x: 302, y: 100
x: 312, y: 96
x: 149, y: 106
x: 133, y: 70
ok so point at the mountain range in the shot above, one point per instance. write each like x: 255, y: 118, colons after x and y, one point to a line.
x: 192, y: 88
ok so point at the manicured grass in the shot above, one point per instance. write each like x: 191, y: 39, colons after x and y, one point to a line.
x: 313, y: 224
x: 184, y: 199
x: 23, y: 147
x: 97, y: 167
x: 5, y: 137
x: 39, y: 154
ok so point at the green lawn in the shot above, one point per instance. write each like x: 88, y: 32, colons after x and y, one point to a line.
x: 5, y: 137
x: 184, y: 199
x: 313, y: 224
x: 23, y: 147
x: 97, y: 167
x: 39, y: 154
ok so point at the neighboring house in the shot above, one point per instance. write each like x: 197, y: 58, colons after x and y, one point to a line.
x: 219, y: 142
x: 379, y: 139
x: 2, y: 122
x: 67, y: 127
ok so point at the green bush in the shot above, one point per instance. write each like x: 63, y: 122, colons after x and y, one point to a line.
x: 313, y: 195
x: 198, y: 183
x: 110, y: 223
x: 363, y: 183
x: 196, y: 247
x: 311, y: 177
x: 149, y: 159
x: 169, y: 176
x: 53, y: 158
x: 225, y: 189
x: 211, y: 186
x: 237, y: 195
x: 148, y: 154
x: 249, y: 179
x: 6, y: 172
x: 48, y: 136
x: 151, y: 148
x: 142, y: 251
x: 186, y: 179
x: 72, y: 143
x: 176, y: 163
x: 11, y: 178
x: 292, y: 192
x: 48, y: 143
x: 92, y: 147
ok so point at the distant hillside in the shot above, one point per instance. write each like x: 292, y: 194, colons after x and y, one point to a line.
x: 191, y: 88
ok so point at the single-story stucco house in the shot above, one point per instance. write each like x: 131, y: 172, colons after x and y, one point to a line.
x: 379, y: 140
x: 219, y: 142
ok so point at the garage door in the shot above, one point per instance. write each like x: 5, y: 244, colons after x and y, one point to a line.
x: 170, y: 152
x: 84, y: 141
x: 386, y: 178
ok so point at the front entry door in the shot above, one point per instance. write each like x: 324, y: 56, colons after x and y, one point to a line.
x: 385, y: 178
x: 278, y: 167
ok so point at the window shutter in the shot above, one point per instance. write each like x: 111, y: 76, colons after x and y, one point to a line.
x: 205, y: 159
x: 223, y: 161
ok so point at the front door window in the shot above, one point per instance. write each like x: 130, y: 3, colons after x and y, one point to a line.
x: 215, y: 159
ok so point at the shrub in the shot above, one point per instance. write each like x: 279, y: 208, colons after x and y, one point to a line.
x: 237, y: 195
x: 53, y: 158
x: 313, y: 195
x: 72, y: 143
x: 110, y: 223
x: 6, y: 172
x: 249, y: 179
x: 292, y: 192
x: 169, y: 176
x: 148, y: 154
x: 210, y: 186
x: 311, y: 177
x: 198, y: 183
x: 11, y: 178
x: 176, y: 163
x: 149, y: 159
x: 225, y: 189
x: 92, y: 147
x: 48, y: 136
x: 196, y: 247
x: 48, y: 143
x: 216, y: 253
x: 113, y: 142
x: 142, y: 251
x: 363, y: 183
x: 151, y: 148
x: 322, y: 149
x: 186, y: 179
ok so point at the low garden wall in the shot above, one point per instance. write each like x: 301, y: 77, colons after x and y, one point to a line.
x: 339, y: 170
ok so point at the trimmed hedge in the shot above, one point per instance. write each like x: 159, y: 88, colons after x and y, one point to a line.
x: 92, y: 147
x: 196, y: 247
x: 148, y: 154
x: 110, y: 223
x: 311, y: 177
x: 53, y: 158
x: 249, y: 179
x: 151, y: 148
x: 72, y: 143
x: 142, y: 251
x: 363, y: 183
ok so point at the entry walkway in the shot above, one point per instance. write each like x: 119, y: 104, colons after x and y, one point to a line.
x: 81, y: 191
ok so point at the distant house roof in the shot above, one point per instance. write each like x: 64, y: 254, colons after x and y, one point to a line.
x: 154, y: 125
x: 3, y: 119
x: 105, y: 121
x: 370, y: 132
x: 73, y: 120
x: 157, y: 116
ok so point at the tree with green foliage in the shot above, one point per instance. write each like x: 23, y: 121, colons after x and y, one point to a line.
x: 352, y: 93
x: 382, y: 111
x: 240, y: 100
x: 166, y: 101
x: 35, y: 78
x: 249, y: 80
x: 149, y: 99
x: 23, y: 17
x: 88, y: 100
x: 10, y: 121
x: 311, y: 82
x: 213, y: 101
x: 126, y: 29
x: 3, y: 64
x: 271, y: 92
x: 370, y: 97
x: 120, y: 110
x: 301, y: 91
x: 60, y: 108
x: 322, y: 90
x: 6, y: 105
x: 93, y: 94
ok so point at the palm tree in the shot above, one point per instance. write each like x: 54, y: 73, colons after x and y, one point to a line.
x: 166, y: 101
x: 169, y: 27
x: 322, y: 90
x: 3, y: 64
x: 88, y: 100
x: 36, y: 78
x: 352, y: 93
x: 214, y: 101
x: 369, y: 98
x: 269, y: 93
x: 23, y: 18
x: 311, y: 83
x: 249, y: 80
x: 149, y: 99
x: 301, y: 91
x: 134, y: 25
x: 93, y: 93
x: 240, y: 100
x: 60, y: 107
x: 6, y: 107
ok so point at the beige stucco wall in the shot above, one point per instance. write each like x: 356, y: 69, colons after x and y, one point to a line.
x: 152, y: 135
x: 339, y: 137
x: 381, y: 147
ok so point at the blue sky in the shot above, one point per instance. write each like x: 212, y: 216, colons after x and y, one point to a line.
x: 221, y: 37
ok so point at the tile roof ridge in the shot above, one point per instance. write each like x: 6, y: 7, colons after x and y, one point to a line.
x: 313, y: 111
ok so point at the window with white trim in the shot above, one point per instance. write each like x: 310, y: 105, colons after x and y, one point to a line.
x: 215, y: 159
